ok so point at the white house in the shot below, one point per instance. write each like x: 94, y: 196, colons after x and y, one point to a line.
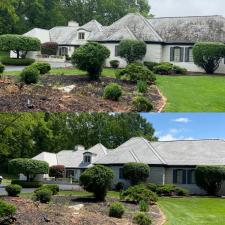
x: 170, y: 162
x: 168, y: 39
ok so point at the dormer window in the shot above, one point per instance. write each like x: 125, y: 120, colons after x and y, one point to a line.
x: 87, y: 159
x: 81, y: 36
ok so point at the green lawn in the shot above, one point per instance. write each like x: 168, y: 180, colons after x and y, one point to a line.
x: 193, y: 211
x: 193, y: 93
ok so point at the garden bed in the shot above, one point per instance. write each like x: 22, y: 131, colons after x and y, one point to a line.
x: 86, y: 96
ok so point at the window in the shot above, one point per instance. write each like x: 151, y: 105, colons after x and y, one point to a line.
x: 81, y: 36
x: 70, y: 173
x: 121, y: 173
x: 191, y: 177
x: 63, y: 51
x: 184, y: 176
x: 87, y: 159
x: 189, y: 54
x: 176, y: 54
x: 117, y: 50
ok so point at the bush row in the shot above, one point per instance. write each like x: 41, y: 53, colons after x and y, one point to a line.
x: 16, y: 62
x: 26, y: 184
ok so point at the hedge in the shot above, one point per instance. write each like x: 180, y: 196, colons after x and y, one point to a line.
x: 16, y: 62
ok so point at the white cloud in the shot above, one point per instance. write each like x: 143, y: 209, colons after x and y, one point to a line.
x: 182, y: 120
x: 167, y: 137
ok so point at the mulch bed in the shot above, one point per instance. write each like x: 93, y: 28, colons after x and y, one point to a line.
x: 85, y: 97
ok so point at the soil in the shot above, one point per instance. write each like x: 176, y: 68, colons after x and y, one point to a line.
x: 59, y: 213
x: 86, y: 95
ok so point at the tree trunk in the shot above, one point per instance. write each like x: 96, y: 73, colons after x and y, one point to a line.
x: 17, y: 54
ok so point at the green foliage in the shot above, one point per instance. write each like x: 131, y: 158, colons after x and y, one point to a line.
x: 13, y: 190
x: 116, y: 210
x: 208, y: 55
x: 132, y: 50
x: 2, y: 68
x: 57, y: 171
x: 210, y: 178
x: 97, y: 180
x: 27, y: 184
x: 17, y: 43
x: 43, y: 195
x: 163, y: 68
x: 136, y: 172
x: 119, y: 186
x: 142, y: 104
x: 113, y: 92
x: 114, y: 64
x: 17, y: 62
x: 137, y: 71
x: 30, y: 75
x: 42, y: 67
x: 54, y: 188
x: 179, y: 70
x: 142, y: 219
x: 151, y: 65
x: 49, y: 48
x: 91, y: 58
x: 143, y: 206
x: 139, y: 193
x: 142, y: 86
x: 7, y: 211
x: 28, y: 167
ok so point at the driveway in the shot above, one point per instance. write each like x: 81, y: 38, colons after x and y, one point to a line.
x: 53, y: 65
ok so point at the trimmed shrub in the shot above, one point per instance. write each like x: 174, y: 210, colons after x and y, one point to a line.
x: 136, y: 172
x: 114, y: 64
x: 208, y: 55
x: 181, y: 191
x: 43, y: 195
x: 13, y: 190
x: 142, y: 86
x: 113, y: 91
x: 179, y: 70
x: 91, y: 58
x: 7, y: 211
x: 16, y: 62
x: 132, y: 50
x: 2, y: 68
x: 49, y: 48
x: 54, y: 188
x: 141, y: 219
x: 97, y: 180
x: 141, y: 104
x: 151, y: 65
x: 57, y: 171
x: 29, y: 75
x: 42, y: 67
x: 210, y: 178
x: 137, y: 71
x: 116, y: 210
x: 29, y: 167
x: 139, y: 193
x: 163, y: 69
x: 143, y: 206
x: 26, y: 184
x: 119, y: 186
x: 19, y: 44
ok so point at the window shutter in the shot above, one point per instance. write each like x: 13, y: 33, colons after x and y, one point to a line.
x: 184, y: 177
x: 189, y: 178
x: 175, y: 176
x: 181, y: 54
x: 187, y: 54
x: 171, y: 54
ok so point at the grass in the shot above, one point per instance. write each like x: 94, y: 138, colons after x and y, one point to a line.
x: 193, y: 93
x: 193, y: 211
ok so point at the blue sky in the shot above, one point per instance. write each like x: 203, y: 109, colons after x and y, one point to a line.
x: 163, y: 8
x: 178, y: 126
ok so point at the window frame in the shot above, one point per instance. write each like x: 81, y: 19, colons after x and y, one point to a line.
x: 117, y: 51
x: 186, y: 179
x: 87, y: 157
x: 172, y: 54
x: 121, y: 176
x: 81, y: 36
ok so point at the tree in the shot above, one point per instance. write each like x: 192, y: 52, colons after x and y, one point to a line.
x: 97, y: 180
x: 28, y: 167
x: 210, y: 178
x: 18, y: 44
x: 136, y: 172
x: 57, y: 171
x: 208, y: 55
x: 91, y: 58
x: 132, y: 50
x: 49, y: 48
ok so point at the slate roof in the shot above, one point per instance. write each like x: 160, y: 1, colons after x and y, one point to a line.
x: 171, y: 153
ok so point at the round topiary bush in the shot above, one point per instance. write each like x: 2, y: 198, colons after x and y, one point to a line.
x: 141, y: 104
x: 54, y: 188
x: 7, y: 211
x: 2, y: 68
x: 114, y: 64
x: 142, y: 219
x: 116, y: 210
x: 13, y: 190
x: 42, y: 67
x: 30, y: 75
x: 113, y: 91
x: 43, y: 195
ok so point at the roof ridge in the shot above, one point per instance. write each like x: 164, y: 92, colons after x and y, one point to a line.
x: 194, y: 140
x: 171, y: 17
